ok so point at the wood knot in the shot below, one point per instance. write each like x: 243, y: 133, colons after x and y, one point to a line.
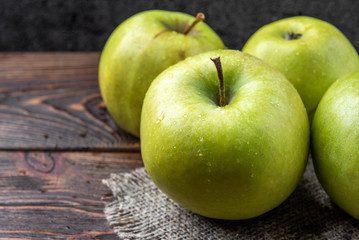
x: 42, y: 162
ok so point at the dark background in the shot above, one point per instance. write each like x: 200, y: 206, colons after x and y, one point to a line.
x: 84, y: 25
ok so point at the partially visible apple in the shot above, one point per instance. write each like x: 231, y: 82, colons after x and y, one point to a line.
x: 141, y: 48
x: 311, y: 53
x: 335, y: 143
x: 235, y: 161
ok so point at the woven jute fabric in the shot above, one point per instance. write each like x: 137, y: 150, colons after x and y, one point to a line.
x: 141, y: 211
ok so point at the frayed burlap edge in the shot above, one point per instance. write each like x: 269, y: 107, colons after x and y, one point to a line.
x: 119, y: 215
x: 141, y: 211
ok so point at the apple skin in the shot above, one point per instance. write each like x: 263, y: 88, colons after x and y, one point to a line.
x: 138, y: 50
x: 311, y: 63
x: 231, y: 162
x: 335, y: 145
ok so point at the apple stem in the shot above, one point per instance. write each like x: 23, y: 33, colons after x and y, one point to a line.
x: 199, y: 18
x: 222, y: 97
x: 293, y: 36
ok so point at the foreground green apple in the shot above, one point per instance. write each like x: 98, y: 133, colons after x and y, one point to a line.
x: 231, y: 162
x: 335, y: 143
x: 141, y: 48
x: 311, y: 53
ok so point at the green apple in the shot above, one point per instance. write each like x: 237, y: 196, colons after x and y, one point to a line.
x: 335, y: 143
x: 235, y: 161
x: 311, y: 53
x: 138, y: 50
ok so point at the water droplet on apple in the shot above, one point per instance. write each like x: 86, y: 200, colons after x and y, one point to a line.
x: 201, y: 139
x: 199, y: 115
x: 174, y: 147
x: 160, y: 118
x: 199, y: 153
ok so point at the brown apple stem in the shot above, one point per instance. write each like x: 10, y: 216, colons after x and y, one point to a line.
x: 199, y: 18
x: 293, y: 36
x: 222, y: 97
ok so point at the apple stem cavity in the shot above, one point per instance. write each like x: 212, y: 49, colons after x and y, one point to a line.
x: 293, y: 36
x: 222, y: 97
x: 199, y: 18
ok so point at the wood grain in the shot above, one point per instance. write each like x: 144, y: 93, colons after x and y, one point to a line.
x: 51, y: 101
x: 57, y: 195
x: 57, y: 142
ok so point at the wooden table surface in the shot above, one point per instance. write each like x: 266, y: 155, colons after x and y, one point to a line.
x: 57, y: 143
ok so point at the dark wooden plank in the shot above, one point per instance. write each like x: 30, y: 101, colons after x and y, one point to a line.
x: 57, y: 195
x: 52, y: 101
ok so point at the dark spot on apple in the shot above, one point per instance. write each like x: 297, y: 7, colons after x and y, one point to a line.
x: 293, y: 36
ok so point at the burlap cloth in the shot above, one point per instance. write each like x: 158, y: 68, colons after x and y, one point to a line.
x: 141, y: 211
